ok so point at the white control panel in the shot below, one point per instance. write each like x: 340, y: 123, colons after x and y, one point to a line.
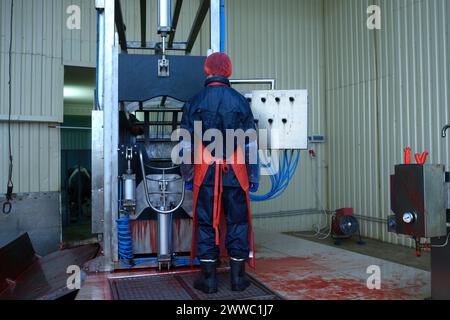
x: 284, y: 116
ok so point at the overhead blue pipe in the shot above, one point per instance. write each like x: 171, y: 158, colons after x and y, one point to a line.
x: 97, y: 99
x: 223, y: 26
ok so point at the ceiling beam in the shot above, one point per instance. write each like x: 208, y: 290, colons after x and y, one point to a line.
x: 176, y: 17
x: 198, y: 22
x: 120, y: 25
x: 143, y: 22
x: 176, y: 46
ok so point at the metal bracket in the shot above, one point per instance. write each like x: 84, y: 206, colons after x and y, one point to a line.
x: 163, y: 68
x: 129, y: 154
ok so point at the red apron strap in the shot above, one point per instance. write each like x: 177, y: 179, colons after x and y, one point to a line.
x: 217, y: 202
x: 240, y: 170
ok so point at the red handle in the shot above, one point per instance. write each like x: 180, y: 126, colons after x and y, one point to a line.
x: 422, y: 159
x: 408, y: 155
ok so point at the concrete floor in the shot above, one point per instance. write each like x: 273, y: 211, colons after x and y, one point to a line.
x: 377, y: 249
x: 304, y: 270
x: 300, y: 269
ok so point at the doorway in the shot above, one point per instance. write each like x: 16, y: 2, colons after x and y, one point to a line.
x: 79, y: 93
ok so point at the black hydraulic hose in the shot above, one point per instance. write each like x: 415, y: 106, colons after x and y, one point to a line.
x: 7, y: 206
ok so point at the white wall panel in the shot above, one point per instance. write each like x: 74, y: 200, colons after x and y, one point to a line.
x: 37, y: 93
x: 36, y: 153
x: 37, y: 72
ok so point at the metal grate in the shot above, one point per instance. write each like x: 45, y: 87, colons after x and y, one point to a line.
x: 180, y: 287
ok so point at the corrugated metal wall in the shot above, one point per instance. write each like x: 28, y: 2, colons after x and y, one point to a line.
x: 36, y: 59
x: 371, y: 92
x: 37, y: 85
x: 75, y: 139
x: 385, y: 90
x: 283, y: 40
x: 274, y: 39
x: 79, y: 47
x: 36, y: 157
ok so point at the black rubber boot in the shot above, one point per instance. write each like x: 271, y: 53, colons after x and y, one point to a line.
x: 239, y: 281
x: 207, y: 281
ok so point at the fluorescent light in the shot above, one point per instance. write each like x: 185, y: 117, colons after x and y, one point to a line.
x: 78, y: 93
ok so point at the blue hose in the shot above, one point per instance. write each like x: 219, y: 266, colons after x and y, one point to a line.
x: 280, y: 180
x: 142, y: 260
x: 185, y: 262
x: 222, y: 26
x: 97, y: 99
x: 125, y: 241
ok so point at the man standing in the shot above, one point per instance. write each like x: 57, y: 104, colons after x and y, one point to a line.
x: 222, y: 178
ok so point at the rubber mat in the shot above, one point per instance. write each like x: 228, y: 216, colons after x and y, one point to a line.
x: 180, y: 287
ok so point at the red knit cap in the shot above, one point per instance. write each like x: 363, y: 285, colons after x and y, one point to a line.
x: 219, y: 64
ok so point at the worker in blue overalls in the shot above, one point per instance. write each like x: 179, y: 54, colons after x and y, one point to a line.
x: 221, y: 184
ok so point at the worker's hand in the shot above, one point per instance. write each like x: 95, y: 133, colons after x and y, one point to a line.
x: 254, y: 187
x: 189, y: 186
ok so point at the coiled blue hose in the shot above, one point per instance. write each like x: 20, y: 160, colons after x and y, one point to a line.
x: 280, y: 180
x: 124, y: 238
x: 125, y: 241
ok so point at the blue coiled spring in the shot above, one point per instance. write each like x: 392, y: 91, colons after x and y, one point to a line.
x: 125, y: 241
x: 124, y: 238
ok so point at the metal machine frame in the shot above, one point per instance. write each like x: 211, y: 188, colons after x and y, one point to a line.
x: 112, y: 41
x: 109, y: 154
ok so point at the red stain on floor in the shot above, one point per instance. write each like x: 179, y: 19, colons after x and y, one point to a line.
x: 317, y: 287
x: 286, y: 265
x: 304, y: 279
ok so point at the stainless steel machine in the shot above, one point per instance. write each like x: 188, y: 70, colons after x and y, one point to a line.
x: 420, y: 199
x: 139, y: 203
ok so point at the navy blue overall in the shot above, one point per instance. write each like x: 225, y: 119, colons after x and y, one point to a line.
x: 220, y: 107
